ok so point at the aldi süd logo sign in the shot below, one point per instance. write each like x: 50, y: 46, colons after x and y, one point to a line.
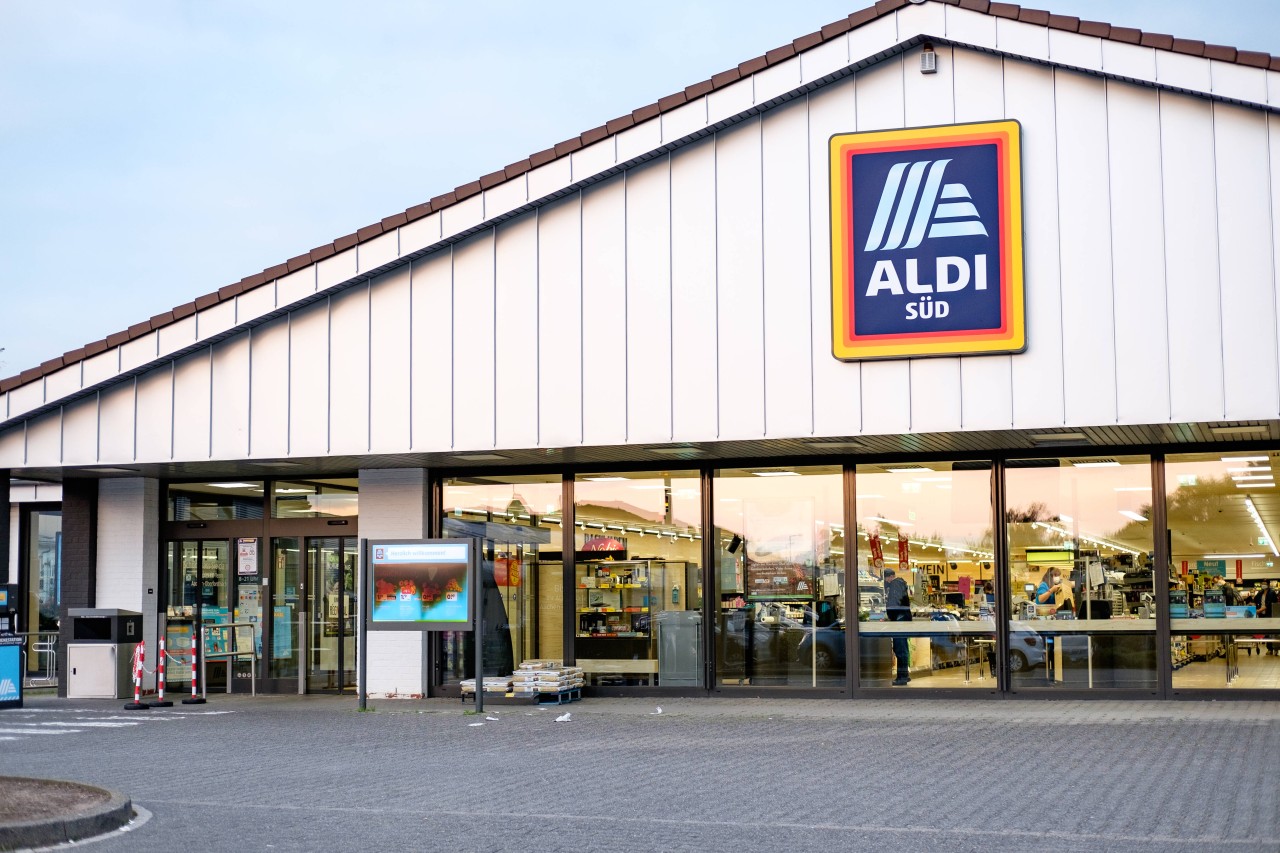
x: 926, y: 241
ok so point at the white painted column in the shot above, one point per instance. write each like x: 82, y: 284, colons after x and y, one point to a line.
x: 393, y: 505
x: 129, y: 554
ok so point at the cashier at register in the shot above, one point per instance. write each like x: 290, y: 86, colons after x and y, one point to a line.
x: 1053, y: 589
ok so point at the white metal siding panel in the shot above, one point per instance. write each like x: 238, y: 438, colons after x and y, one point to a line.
x: 390, y: 350
x: 503, y: 198
x: 827, y: 58
x: 13, y: 449
x: 1182, y: 71
x: 837, y: 395
x: 349, y: 371
x: 1038, y: 373
x: 740, y: 282
x: 432, y: 371
x: 256, y: 302
x: 731, y: 100
x: 44, y: 438
x: 1022, y: 39
x: 1129, y: 60
x: 1088, y: 318
x: 516, y: 332
x: 986, y: 391
x: 420, y: 233
x: 1249, y: 353
x: 309, y: 380
x: 137, y: 352
x: 595, y: 158
x: 192, y: 416
x: 335, y: 269
x: 1075, y: 50
x: 60, y: 383
x: 177, y: 335
x: 116, y: 433
x: 155, y: 415
x: 473, y: 343
x: 269, y: 387
x: 230, y: 415
x: 560, y: 323
x: 684, y: 120
x: 694, y: 412
x: 935, y: 382
x: 886, y: 385
x: 604, y: 313
x: 215, y: 320
x: 1238, y: 81
x: 1273, y: 88
x: 970, y: 28
x: 1137, y: 229
x: 467, y: 213
x: 24, y: 398
x: 80, y: 432
x: 873, y: 37
x: 549, y: 178
x: 638, y: 140
x: 777, y: 80
x: 296, y: 285
x: 648, y: 331
x: 102, y: 366
x: 382, y: 249
x: 1191, y: 258
x: 788, y: 292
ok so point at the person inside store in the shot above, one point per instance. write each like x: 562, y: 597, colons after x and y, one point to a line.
x: 1053, y: 589
x: 1266, y: 600
x: 988, y: 592
x: 897, y: 606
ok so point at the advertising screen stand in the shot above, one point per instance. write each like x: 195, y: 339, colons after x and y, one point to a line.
x: 417, y: 585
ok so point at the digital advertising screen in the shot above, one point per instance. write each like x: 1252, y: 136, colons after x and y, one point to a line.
x: 420, y: 584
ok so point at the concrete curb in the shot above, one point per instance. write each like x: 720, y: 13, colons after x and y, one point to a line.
x: 101, y: 818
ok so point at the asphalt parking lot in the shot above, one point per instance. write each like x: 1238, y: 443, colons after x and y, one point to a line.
x: 313, y: 773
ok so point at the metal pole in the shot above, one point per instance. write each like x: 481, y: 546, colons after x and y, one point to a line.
x: 478, y: 587
x: 362, y: 633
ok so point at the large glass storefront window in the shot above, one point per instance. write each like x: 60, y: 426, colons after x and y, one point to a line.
x: 227, y: 501
x: 925, y: 531
x: 780, y: 576
x: 517, y: 521
x: 1079, y: 535
x: 1223, y: 509
x: 638, y: 579
x: 43, y: 560
x: 315, y: 499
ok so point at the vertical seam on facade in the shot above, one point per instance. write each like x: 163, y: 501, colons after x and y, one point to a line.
x: 328, y: 375
x: 368, y: 366
x: 1217, y: 251
x: 288, y: 384
x: 537, y: 318
x: 671, y: 302
x: 412, y: 265
x: 1164, y: 254
x: 453, y: 347
x: 62, y: 431
x: 494, y: 294
x: 715, y: 241
x: 1111, y: 253
x: 210, y: 420
x: 626, y: 307
x: 764, y: 290
x: 134, y: 457
x: 808, y: 170
x: 249, y: 407
x: 173, y: 409
x: 1004, y: 111
x: 1057, y: 223
x: 1271, y: 221
x: 582, y: 322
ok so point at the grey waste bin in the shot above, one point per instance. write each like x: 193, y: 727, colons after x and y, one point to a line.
x: 100, y: 652
x: 680, y: 648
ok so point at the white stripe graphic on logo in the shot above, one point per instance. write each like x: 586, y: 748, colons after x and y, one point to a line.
x: 950, y: 218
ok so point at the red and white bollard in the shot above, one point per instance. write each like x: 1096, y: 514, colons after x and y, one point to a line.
x: 196, y: 698
x: 160, y: 702
x: 139, y: 655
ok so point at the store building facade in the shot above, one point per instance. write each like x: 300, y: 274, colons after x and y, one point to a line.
x: 666, y: 373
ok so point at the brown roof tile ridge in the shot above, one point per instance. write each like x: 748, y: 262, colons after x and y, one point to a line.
x: 857, y: 19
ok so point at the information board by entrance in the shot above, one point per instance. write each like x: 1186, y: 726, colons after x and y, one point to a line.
x: 926, y: 242
x: 420, y: 584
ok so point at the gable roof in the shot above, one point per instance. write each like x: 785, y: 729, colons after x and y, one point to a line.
x: 834, y: 30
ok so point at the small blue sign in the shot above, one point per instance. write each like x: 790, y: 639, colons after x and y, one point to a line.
x: 10, y: 676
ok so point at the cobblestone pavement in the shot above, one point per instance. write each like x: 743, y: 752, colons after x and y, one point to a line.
x: 312, y: 773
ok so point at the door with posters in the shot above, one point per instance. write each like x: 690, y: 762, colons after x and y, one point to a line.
x: 331, y: 614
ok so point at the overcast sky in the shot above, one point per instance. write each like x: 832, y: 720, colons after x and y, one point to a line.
x: 155, y: 151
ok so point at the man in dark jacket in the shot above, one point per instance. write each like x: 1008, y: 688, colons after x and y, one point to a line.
x: 897, y: 600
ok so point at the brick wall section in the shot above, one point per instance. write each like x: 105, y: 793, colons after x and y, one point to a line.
x: 129, y: 554
x: 79, y: 559
x: 393, y: 505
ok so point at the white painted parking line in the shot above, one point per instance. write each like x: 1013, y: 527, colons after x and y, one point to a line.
x: 38, y: 731
x: 91, y: 724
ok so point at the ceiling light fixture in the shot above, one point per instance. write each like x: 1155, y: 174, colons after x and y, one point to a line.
x: 1230, y: 459
x: 1257, y: 519
x: 1128, y: 513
